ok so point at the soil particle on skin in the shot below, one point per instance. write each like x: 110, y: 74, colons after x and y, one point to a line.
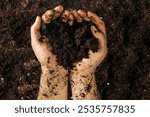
x: 126, y: 67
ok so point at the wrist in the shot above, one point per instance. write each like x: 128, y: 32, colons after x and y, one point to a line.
x: 83, y: 84
x: 48, y: 69
x: 83, y: 70
x: 53, y: 82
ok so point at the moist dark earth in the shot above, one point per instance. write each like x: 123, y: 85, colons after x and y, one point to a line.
x: 125, y: 72
x: 70, y: 43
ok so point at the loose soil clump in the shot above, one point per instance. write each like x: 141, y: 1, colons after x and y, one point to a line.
x: 70, y: 44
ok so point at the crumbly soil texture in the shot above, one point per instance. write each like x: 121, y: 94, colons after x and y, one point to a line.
x: 70, y: 44
x: 125, y: 72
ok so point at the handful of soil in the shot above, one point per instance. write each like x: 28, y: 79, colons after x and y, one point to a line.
x: 70, y: 43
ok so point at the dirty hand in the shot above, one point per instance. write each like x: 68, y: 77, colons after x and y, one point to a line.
x: 54, y: 78
x: 82, y: 78
x: 99, y: 32
x: 40, y: 44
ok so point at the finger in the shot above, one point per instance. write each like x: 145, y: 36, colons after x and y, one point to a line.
x: 101, y: 38
x: 65, y: 16
x: 48, y: 16
x: 35, y: 29
x: 97, y: 21
x: 58, y: 11
x: 83, y: 14
x: 70, y: 19
x: 77, y: 16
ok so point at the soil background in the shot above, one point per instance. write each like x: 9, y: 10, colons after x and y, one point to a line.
x: 125, y: 72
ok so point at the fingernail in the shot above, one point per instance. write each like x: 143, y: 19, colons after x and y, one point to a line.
x: 93, y: 27
x: 36, y: 20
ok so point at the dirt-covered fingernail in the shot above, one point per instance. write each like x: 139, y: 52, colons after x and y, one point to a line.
x: 65, y: 16
x: 92, y: 16
x: 59, y: 8
x: 78, y: 18
x: 94, y: 28
x: 50, y: 14
x: 70, y: 19
x: 58, y: 11
x: 83, y: 14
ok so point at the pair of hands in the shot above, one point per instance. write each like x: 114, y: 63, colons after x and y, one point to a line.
x: 43, y: 49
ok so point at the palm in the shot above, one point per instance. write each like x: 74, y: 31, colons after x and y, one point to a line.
x: 95, y: 58
x: 40, y: 45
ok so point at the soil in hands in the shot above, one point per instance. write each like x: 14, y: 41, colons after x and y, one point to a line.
x: 125, y: 72
x: 70, y: 43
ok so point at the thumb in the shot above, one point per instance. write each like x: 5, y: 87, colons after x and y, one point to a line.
x: 100, y: 36
x: 35, y: 29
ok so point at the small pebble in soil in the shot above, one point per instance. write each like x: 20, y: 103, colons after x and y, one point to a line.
x: 24, y: 3
x: 108, y: 83
x: 30, y: 64
x: 28, y: 74
x: 1, y: 80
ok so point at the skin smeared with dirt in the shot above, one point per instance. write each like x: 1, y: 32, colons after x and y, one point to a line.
x: 54, y: 78
x: 82, y: 77
x: 53, y: 81
x: 83, y: 85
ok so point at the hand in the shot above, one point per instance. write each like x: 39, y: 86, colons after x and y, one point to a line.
x: 99, y: 32
x: 82, y: 77
x: 54, y: 78
x: 40, y: 44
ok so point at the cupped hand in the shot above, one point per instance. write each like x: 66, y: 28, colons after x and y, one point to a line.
x: 40, y: 43
x: 43, y: 49
x: 99, y: 32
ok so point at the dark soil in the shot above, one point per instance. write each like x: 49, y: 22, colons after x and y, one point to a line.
x: 70, y: 44
x: 125, y: 72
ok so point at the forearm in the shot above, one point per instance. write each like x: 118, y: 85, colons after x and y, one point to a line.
x: 53, y: 84
x: 84, y: 86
